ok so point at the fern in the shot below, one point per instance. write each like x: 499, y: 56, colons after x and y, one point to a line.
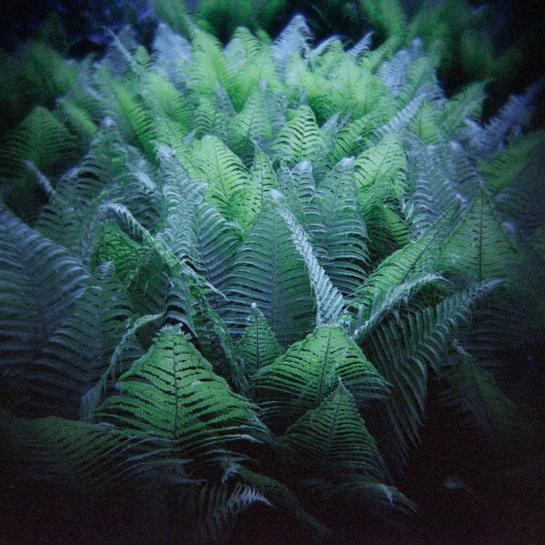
x: 310, y: 370
x: 300, y: 139
x: 334, y: 440
x: 225, y: 175
x: 258, y: 346
x: 270, y: 273
x: 173, y: 391
x: 216, y: 234
x: 425, y: 335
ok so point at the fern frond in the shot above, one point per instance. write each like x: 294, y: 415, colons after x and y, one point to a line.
x: 172, y: 55
x: 395, y: 278
x: 329, y: 301
x: 344, y: 239
x: 403, y: 350
x: 258, y: 346
x: 475, y: 394
x: 465, y: 105
x: 505, y: 165
x: 98, y: 458
x: 311, y: 369
x: 270, y: 273
x: 333, y: 440
x: 225, y: 175
x: 294, y: 39
x: 41, y: 284
x: 41, y: 139
x: 379, y: 172
x: 300, y: 139
x: 172, y: 391
x: 479, y: 248
x: 251, y: 125
x: 361, y: 46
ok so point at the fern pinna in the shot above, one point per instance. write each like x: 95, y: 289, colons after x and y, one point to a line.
x: 231, y: 274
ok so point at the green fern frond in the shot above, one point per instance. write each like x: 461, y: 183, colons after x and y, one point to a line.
x: 379, y: 172
x: 329, y: 300
x: 258, y: 346
x: 311, y: 369
x: 344, y: 234
x: 175, y: 14
x: 225, y: 175
x: 464, y: 105
x: 251, y: 125
x: 479, y: 247
x: 99, y: 458
x: 425, y: 338
x: 270, y: 273
x: 504, y: 166
x: 300, y: 139
x: 172, y: 391
x: 333, y: 440
x: 43, y: 140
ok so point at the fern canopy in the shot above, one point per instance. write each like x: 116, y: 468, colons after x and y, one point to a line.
x: 238, y: 273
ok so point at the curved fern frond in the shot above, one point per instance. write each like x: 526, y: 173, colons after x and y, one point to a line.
x: 173, y: 391
x: 300, y: 139
x: 258, y: 346
x: 262, y: 180
x: 344, y: 238
x: 270, y: 273
x: 311, y: 369
x: 504, y: 166
x: 126, y: 108
x: 352, y: 138
x: 329, y: 300
x: 294, y: 39
x: 117, y: 248
x: 43, y: 140
x: 282, y: 498
x: 172, y: 55
x: 432, y: 189
x: 226, y: 176
x: 465, y: 105
x: 218, y: 508
x: 99, y: 458
x: 361, y: 46
x: 251, y: 125
x: 196, y: 231
x: 515, y: 115
x: 40, y: 286
x: 208, y: 68
x: 379, y: 172
x: 175, y: 14
x: 479, y: 248
x: 403, y: 350
x: 333, y: 440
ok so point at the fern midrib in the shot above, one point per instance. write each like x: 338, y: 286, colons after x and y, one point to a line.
x: 330, y: 436
x: 424, y: 251
x: 257, y: 344
x: 324, y: 362
x: 174, y: 361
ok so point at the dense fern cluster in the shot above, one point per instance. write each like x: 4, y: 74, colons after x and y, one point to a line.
x: 229, y: 275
